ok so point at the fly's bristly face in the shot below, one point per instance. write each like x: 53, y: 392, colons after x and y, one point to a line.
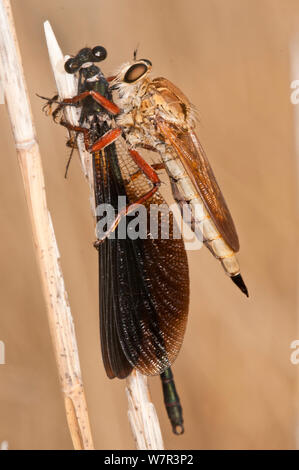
x: 131, y: 78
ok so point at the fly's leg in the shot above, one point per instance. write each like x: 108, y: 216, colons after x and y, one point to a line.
x: 144, y: 167
x: 47, y: 108
x: 101, y: 143
x: 148, y: 147
x: 106, y: 139
x: 72, y: 140
x: 107, y: 104
x: 150, y: 173
x: 154, y: 166
x: 84, y: 131
x: 75, y: 100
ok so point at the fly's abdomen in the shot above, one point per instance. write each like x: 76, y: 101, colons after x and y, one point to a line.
x: 202, y: 224
x: 212, y: 238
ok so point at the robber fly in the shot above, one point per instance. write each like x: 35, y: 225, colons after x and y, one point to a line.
x: 157, y: 116
x: 144, y: 282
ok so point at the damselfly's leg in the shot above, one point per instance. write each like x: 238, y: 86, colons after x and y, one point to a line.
x: 150, y: 173
x: 47, y: 108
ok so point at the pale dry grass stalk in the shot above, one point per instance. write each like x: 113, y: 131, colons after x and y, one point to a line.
x: 294, y: 82
x: 141, y: 411
x: 59, y: 313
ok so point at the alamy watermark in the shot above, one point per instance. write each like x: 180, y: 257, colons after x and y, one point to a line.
x: 295, y: 94
x: 1, y: 93
x: 156, y: 221
x: 4, y: 445
x: 2, y: 352
x: 294, y: 358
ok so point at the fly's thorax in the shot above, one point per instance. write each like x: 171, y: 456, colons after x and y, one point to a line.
x: 170, y: 112
x: 144, y: 103
x: 129, y: 99
x: 171, y: 104
x: 137, y: 136
x: 154, y: 104
x: 137, y: 119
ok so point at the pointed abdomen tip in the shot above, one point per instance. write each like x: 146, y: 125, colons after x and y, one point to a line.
x: 238, y: 280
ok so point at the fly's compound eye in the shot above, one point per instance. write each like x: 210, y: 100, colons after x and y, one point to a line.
x: 135, y: 72
x: 147, y: 61
x: 99, y: 53
x: 71, y: 66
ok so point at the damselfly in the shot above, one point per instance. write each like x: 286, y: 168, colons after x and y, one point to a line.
x: 144, y: 282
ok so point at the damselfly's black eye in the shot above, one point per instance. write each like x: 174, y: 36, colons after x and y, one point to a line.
x: 100, y: 53
x: 135, y: 72
x: 71, y: 66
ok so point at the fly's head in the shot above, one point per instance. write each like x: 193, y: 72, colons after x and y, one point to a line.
x: 131, y: 81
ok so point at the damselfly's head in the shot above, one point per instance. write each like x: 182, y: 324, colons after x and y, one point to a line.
x: 131, y: 75
x: 84, y: 61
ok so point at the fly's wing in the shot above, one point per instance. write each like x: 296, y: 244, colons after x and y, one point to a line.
x: 144, y: 285
x: 201, y: 174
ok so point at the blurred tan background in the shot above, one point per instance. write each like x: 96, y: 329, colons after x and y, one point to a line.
x: 234, y: 375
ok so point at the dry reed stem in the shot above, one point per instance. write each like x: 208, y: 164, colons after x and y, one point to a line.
x: 294, y: 76
x: 59, y: 313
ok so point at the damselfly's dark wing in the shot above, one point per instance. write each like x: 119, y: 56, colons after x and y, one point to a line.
x: 144, y: 283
